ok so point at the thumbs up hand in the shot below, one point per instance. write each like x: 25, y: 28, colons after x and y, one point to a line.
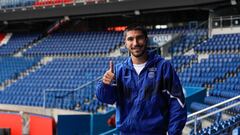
x: 108, y: 77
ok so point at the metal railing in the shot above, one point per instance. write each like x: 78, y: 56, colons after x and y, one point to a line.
x: 198, y: 31
x: 70, y: 91
x: 196, y: 116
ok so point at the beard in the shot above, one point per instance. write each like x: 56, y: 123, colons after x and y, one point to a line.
x: 138, y: 51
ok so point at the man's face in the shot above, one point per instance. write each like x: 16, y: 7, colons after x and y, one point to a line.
x: 136, y: 43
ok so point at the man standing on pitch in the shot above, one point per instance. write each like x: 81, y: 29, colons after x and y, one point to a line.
x: 148, y: 94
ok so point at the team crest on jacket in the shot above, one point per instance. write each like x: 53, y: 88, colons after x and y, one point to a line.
x: 151, y: 73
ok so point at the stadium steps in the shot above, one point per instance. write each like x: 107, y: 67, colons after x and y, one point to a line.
x: 202, y: 56
x: 190, y: 52
x: 206, y: 123
x: 187, y: 129
x: 42, y: 62
x: 226, y: 116
x: 116, y: 52
x: 30, y: 45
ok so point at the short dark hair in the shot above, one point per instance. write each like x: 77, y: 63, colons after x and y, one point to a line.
x: 135, y: 27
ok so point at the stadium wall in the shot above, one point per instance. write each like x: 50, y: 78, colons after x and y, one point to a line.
x: 11, y: 121
x: 229, y: 30
x: 41, y: 125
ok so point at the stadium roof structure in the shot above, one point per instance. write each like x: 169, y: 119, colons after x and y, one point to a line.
x: 110, y: 9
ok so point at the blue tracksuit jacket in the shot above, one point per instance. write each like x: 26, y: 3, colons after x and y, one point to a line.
x: 149, y: 103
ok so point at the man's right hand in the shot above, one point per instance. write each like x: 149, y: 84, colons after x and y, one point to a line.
x: 109, y: 75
